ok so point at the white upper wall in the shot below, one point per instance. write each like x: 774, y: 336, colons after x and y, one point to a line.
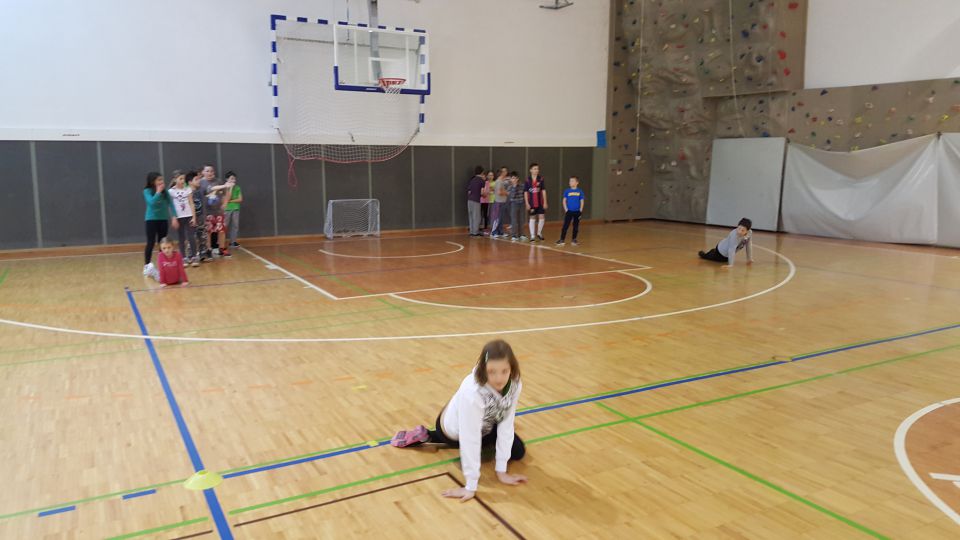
x: 199, y: 70
x: 854, y: 42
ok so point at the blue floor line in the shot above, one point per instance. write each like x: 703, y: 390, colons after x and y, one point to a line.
x: 215, y: 510
x: 139, y: 494
x: 875, y: 342
x: 215, y: 503
x: 46, y: 513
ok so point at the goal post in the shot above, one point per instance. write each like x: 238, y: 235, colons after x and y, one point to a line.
x: 352, y: 217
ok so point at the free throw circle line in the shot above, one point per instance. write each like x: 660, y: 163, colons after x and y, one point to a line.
x: 784, y: 281
x: 459, y: 248
x: 646, y: 289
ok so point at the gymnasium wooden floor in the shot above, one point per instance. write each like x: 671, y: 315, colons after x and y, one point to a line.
x: 806, y: 396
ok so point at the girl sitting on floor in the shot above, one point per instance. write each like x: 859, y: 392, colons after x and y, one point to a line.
x: 480, y: 415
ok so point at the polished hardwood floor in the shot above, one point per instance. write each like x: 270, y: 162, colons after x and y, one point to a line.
x: 664, y: 396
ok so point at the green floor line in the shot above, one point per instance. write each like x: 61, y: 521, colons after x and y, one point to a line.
x: 797, y: 382
x: 638, y: 387
x: 3, y: 276
x: 340, y: 487
x: 548, y: 437
x: 89, y: 499
x: 848, y: 345
x: 599, y: 426
x: 159, y: 529
x: 747, y: 474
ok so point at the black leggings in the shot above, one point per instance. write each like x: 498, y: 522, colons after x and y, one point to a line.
x: 567, y: 218
x: 156, y: 229
x: 517, y: 451
x: 484, y: 210
x: 713, y: 255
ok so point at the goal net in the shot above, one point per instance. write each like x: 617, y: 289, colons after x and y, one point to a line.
x: 345, y: 94
x: 352, y: 217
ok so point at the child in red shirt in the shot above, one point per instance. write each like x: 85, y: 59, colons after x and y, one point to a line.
x: 170, y: 269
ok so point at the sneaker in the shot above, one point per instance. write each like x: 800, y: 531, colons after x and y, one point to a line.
x: 151, y: 271
x: 406, y: 438
x: 513, y: 238
x: 195, y: 262
x: 225, y: 253
x: 216, y: 252
x: 534, y: 239
x: 540, y: 238
x: 574, y: 243
x: 523, y: 237
x: 562, y: 243
x: 700, y: 254
x: 235, y: 244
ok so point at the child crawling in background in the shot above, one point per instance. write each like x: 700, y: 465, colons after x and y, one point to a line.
x: 726, y: 250
x: 479, y: 416
x: 170, y: 269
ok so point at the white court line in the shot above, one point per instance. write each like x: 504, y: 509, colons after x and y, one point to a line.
x: 947, y: 477
x: 790, y: 276
x: 274, y: 266
x: 45, y: 257
x: 648, y: 288
x: 821, y: 240
x: 899, y: 448
x: 485, y: 283
x: 459, y: 248
x: 577, y: 253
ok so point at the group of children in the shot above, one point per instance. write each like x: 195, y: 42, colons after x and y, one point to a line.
x: 497, y: 204
x: 202, y: 208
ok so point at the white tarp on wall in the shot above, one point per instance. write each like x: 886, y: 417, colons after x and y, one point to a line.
x: 745, y: 178
x: 948, y: 210
x: 883, y: 194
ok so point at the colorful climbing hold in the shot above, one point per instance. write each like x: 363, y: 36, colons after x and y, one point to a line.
x: 823, y: 92
x: 782, y: 55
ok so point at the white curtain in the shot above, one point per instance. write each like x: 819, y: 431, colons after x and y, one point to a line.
x: 948, y: 210
x: 883, y: 194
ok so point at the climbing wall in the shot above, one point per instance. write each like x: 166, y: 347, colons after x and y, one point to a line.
x: 674, y: 63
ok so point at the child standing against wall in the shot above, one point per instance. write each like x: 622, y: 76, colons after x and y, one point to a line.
x: 183, y: 204
x: 200, y: 230
x: 535, y: 198
x: 515, y: 195
x: 232, y: 214
x: 573, y: 200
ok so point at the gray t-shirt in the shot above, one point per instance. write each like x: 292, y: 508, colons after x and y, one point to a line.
x: 729, y: 246
x: 500, y: 186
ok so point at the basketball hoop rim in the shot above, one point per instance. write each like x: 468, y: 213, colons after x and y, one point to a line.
x: 387, y: 82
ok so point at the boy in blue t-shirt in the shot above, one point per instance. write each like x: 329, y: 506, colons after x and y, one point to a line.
x: 573, y: 201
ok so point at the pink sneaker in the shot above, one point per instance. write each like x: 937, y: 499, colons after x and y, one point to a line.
x: 406, y: 438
